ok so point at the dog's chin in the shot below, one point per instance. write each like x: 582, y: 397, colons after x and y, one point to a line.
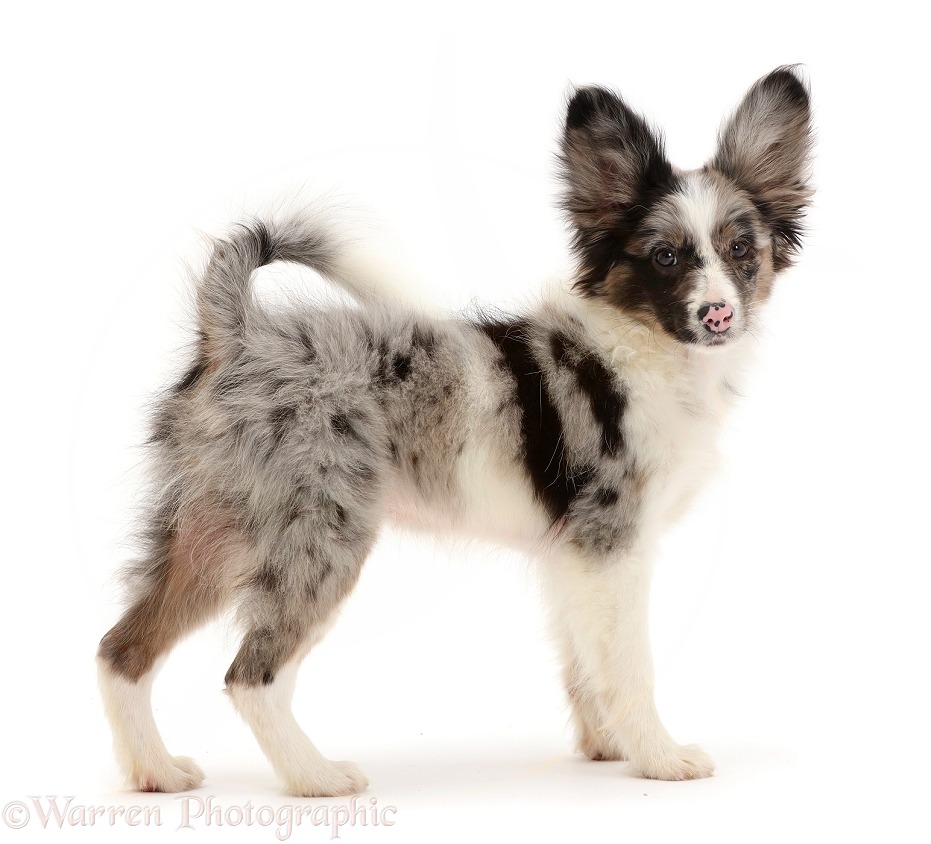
x: 695, y: 337
x: 707, y: 341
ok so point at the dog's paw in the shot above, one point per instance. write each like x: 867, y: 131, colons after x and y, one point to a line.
x: 677, y: 762
x: 600, y: 748
x: 176, y: 773
x: 337, y: 779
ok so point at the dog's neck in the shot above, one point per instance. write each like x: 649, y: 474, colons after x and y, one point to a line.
x: 648, y: 359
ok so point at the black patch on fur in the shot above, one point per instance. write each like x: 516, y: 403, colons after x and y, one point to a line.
x: 365, y: 472
x: 605, y: 399
x: 392, y: 367
x: 192, y: 376
x: 599, y: 253
x: 298, y: 505
x: 342, y: 425
x: 281, y: 419
x: 310, y: 351
x: 401, y: 367
x: 787, y: 233
x: 264, y: 246
x: 606, y: 497
x: 276, y: 385
x: 336, y: 515
x: 383, y: 365
x: 262, y: 651
x: 231, y: 379
x: 584, y: 107
x: 789, y: 84
x: 555, y: 483
x: 560, y: 346
x: 268, y: 578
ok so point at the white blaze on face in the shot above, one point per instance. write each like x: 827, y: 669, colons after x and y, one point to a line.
x: 699, y: 206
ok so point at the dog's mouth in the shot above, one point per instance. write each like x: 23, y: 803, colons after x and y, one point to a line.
x: 704, y: 338
x: 706, y: 341
x: 713, y: 339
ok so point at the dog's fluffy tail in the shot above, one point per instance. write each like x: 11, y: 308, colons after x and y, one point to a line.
x: 225, y: 299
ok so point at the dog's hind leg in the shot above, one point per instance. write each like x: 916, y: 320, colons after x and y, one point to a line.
x: 290, y: 603
x: 186, y: 580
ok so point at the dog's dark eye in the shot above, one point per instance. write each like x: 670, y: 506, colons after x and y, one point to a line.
x: 739, y: 249
x: 664, y: 257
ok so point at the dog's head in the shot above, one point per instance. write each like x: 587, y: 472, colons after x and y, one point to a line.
x: 691, y: 252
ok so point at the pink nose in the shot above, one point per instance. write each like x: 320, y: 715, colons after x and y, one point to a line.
x: 716, y: 317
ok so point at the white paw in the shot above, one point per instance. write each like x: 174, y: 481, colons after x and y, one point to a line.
x: 176, y: 773
x: 337, y: 779
x: 676, y: 762
x: 600, y: 748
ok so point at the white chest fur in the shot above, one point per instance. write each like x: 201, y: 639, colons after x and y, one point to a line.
x: 677, y: 400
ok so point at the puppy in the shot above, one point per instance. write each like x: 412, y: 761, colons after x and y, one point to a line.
x: 576, y: 431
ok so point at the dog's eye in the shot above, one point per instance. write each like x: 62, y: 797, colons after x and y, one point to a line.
x: 664, y: 257
x: 739, y: 249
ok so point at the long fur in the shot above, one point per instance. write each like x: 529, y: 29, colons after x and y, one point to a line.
x: 576, y: 431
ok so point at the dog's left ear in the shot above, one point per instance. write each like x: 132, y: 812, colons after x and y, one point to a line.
x: 765, y: 148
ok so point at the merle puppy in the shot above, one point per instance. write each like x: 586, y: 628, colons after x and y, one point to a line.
x: 576, y: 431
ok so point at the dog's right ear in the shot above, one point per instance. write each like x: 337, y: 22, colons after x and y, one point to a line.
x: 610, y: 159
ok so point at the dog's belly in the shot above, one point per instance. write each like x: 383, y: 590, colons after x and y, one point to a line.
x: 488, y: 499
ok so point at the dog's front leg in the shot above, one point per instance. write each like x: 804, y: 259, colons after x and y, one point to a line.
x: 601, y: 607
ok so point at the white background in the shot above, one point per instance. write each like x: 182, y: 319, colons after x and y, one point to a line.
x: 790, y: 609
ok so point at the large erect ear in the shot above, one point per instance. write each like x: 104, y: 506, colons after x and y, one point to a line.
x: 611, y: 159
x: 765, y: 148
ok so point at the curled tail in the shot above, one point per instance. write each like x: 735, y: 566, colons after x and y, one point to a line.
x: 224, y: 294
